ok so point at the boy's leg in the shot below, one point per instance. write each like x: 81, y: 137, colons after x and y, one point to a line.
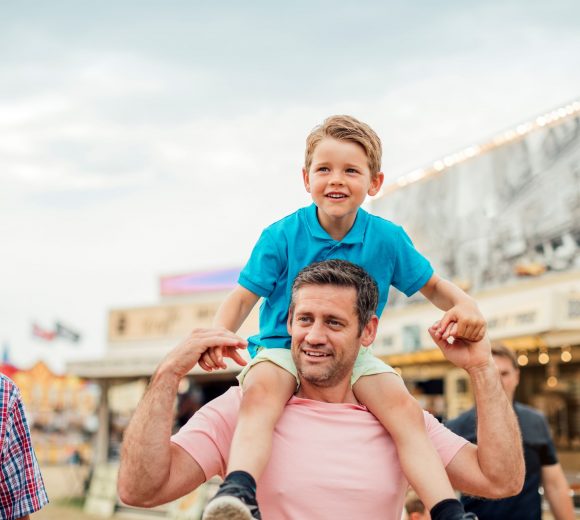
x: 387, y: 398
x: 266, y: 389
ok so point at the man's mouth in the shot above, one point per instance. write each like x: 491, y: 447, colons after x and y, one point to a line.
x: 315, y: 354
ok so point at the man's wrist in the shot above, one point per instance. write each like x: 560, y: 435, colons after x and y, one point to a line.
x: 483, y: 369
x: 166, y: 375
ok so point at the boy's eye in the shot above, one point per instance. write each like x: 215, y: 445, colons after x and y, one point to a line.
x: 352, y: 171
x: 323, y: 169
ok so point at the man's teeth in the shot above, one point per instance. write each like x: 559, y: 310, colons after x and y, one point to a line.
x: 316, y: 354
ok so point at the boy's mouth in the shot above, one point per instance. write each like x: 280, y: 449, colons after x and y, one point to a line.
x: 336, y: 195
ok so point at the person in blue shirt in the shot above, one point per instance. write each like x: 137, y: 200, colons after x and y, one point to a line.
x: 342, y: 166
x: 541, y: 460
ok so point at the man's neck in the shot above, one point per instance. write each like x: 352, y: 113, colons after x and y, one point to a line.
x: 339, y: 393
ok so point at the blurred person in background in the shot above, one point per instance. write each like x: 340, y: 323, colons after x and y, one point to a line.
x: 21, y: 487
x: 542, y: 467
x: 415, y: 508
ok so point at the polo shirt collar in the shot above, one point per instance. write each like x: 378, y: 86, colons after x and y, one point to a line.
x: 354, y: 236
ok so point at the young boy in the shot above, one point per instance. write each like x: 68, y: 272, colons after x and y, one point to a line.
x: 342, y: 166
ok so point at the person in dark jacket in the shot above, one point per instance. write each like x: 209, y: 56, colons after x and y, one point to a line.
x: 542, y: 467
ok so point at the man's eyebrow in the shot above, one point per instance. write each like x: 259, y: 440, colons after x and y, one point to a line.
x: 334, y: 317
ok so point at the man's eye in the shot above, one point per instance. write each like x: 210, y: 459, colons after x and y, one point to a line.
x: 334, y: 323
x: 303, y: 319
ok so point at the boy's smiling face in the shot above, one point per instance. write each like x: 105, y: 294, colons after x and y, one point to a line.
x: 339, y: 179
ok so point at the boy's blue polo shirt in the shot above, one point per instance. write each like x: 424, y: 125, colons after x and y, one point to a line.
x: 287, y: 246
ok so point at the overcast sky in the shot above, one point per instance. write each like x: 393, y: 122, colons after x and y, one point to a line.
x: 146, y: 138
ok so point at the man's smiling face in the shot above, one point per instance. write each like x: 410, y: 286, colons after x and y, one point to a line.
x: 325, y: 337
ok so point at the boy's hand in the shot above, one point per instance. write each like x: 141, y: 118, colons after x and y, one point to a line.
x: 213, y: 358
x: 463, y: 321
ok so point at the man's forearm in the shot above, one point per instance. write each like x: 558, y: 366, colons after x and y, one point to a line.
x: 499, y: 444
x: 146, y: 452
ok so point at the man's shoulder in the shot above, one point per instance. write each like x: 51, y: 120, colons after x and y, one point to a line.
x: 532, y: 421
x: 8, y: 389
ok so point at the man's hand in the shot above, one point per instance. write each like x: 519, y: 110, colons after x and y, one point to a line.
x: 463, y: 321
x: 464, y: 354
x: 188, y: 353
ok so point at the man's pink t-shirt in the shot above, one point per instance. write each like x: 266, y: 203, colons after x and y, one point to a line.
x: 329, y: 461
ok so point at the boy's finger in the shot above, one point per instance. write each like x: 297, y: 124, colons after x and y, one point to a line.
x: 209, y: 361
x: 238, y: 359
x: 449, y: 330
x: 220, y: 358
x: 213, y: 356
x: 204, y: 365
x: 447, y: 318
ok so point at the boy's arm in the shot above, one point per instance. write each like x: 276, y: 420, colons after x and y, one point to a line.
x: 235, y: 309
x: 462, y: 311
x: 231, y: 314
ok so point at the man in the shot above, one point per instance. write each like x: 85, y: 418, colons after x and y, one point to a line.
x: 330, y: 457
x: 415, y: 508
x: 21, y: 487
x: 542, y: 466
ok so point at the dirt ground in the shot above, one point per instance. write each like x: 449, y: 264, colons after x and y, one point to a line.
x: 62, y: 512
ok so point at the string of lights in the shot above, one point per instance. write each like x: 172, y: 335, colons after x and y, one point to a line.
x: 548, y: 119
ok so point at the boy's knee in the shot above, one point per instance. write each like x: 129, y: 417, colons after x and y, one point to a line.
x: 267, y: 382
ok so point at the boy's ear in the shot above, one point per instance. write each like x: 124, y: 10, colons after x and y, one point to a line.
x: 376, y: 183
x: 306, y: 179
x: 369, y: 333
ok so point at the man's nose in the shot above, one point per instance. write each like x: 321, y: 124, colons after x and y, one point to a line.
x: 316, y: 335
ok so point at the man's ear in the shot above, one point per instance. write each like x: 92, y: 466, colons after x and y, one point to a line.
x: 306, y: 179
x: 376, y: 183
x: 289, y: 322
x: 369, y: 333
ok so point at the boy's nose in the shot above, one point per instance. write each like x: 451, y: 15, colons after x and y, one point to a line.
x: 336, y: 178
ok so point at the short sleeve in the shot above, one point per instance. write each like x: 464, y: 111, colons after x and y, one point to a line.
x: 548, y: 455
x: 22, y: 490
x: 208, y: 434
x: 264, y: 267
x: 444, y: 440
x: 411, y: 269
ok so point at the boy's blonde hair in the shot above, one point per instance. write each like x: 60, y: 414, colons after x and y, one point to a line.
x: 347, y: 128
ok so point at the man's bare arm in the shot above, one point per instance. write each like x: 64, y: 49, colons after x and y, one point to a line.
x: 495, y: 467
x: 153, y: 470
x: 557, y: 492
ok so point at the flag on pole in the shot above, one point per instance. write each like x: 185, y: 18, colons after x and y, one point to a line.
x: 39, y: 332
x: 66, y: 333
x: 6, y: 354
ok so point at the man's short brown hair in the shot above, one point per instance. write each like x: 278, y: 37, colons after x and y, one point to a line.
x: 347, y: 128
x: 506, y: 353
x: 341, y: 273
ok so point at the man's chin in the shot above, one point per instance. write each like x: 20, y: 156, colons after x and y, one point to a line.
x: 315, y: 376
